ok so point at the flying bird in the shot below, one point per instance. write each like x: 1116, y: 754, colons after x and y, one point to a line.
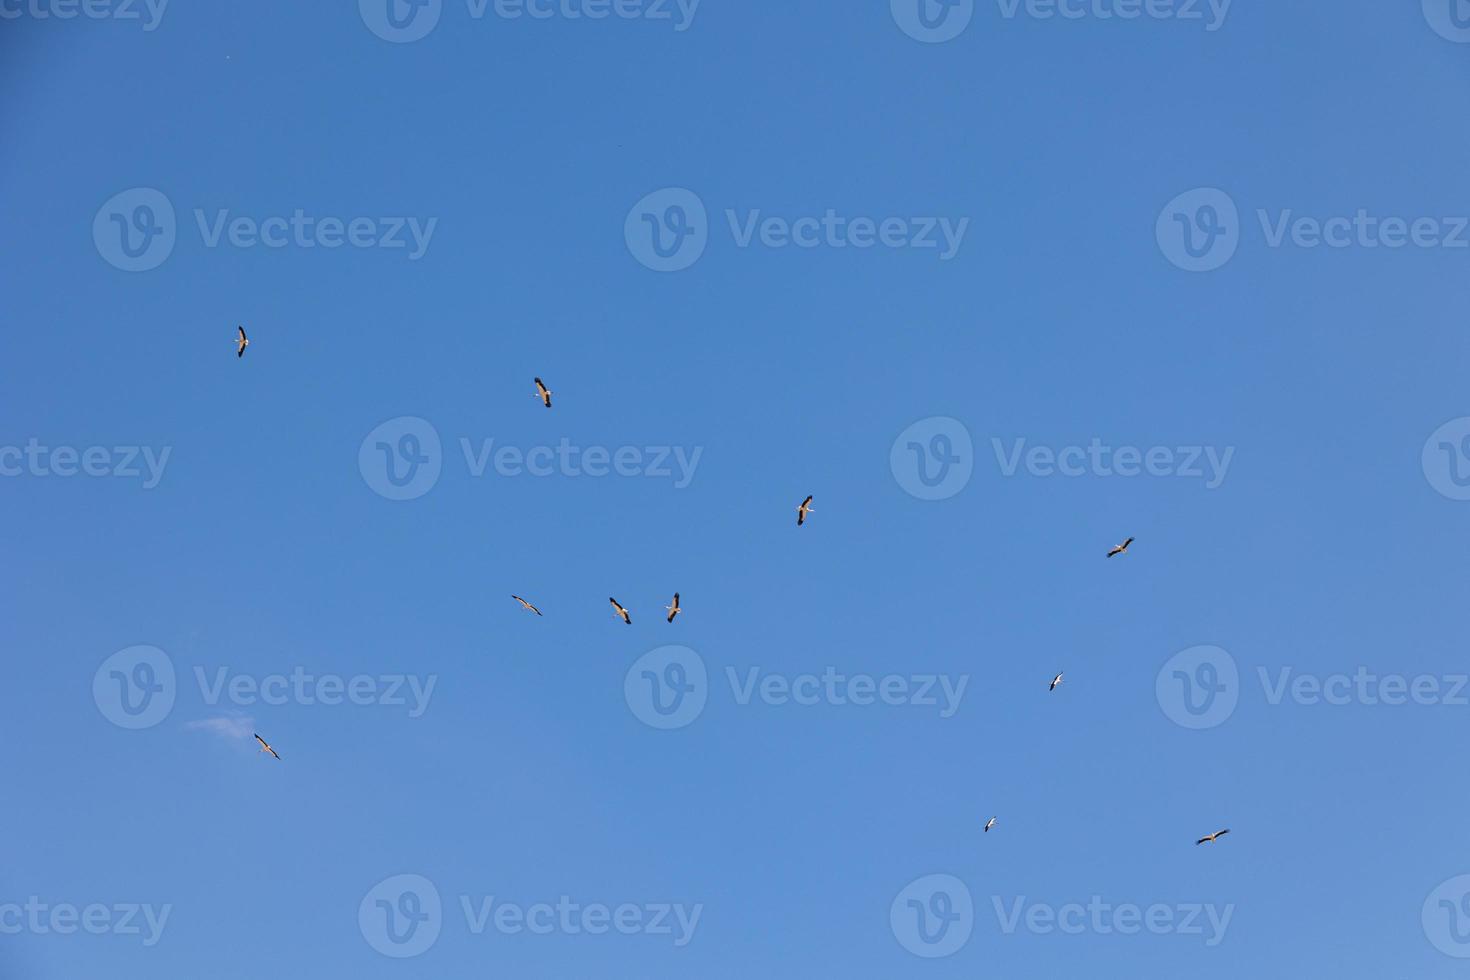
x: 620, y: 611
x: 526, y: 604
x: 1212, y: 837
x: 1121, y: 549
x: 988, y: 824
x: 674, y: 609
x: 266, y: 747
x: 543, y: 393
x: 241, y: 342
x: 803, y: 510
x: 1054, y: 682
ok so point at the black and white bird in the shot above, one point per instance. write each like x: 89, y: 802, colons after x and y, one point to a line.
x: 266, y: 747
x: 543, y: 393
x: 620, y: 611
x: 988, y: 824
x: 1121, y: 549
x: 1212, y: 837
x: 1054, y: 682
x: 526, y: 604
x: 803, y: 510
x: 674, y: 609
x: 241, y: 342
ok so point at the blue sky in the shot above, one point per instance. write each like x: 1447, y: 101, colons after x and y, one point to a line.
x: 263, y: 550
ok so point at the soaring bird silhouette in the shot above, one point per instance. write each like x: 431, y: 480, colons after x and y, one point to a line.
x: 543, y: 393
x: 1212, y: 837
x: 266, y: 747
x: 526, y: 604
x: 619, y: 610
x: 1054, y: 682
x: 674, y: 609
x: 1121, y: 549
x: 988, y: 824
x: 803, y: 510
x: 241, y: 342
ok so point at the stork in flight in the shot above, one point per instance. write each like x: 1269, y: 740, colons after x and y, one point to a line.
x: 543, y: 393
x: 1121, y: 549
x: 1054, y: 682
x: 988, y: 824
x: 1212, y: 837
x: 674, y: 609
x: 803, y: 510
x: 620, y: 611
x: 526, y: 604
x: 241, y: 342
x: 266, y: 747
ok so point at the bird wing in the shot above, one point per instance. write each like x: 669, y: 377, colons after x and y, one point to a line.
x: 242, y: 332
x: 807, y: 501
x: 261, y: 741
x: 1128, y: 542
x: 539, y: 385
x: 1203, y: 840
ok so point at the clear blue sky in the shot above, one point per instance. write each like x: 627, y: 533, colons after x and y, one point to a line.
x: 1060, y: 320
